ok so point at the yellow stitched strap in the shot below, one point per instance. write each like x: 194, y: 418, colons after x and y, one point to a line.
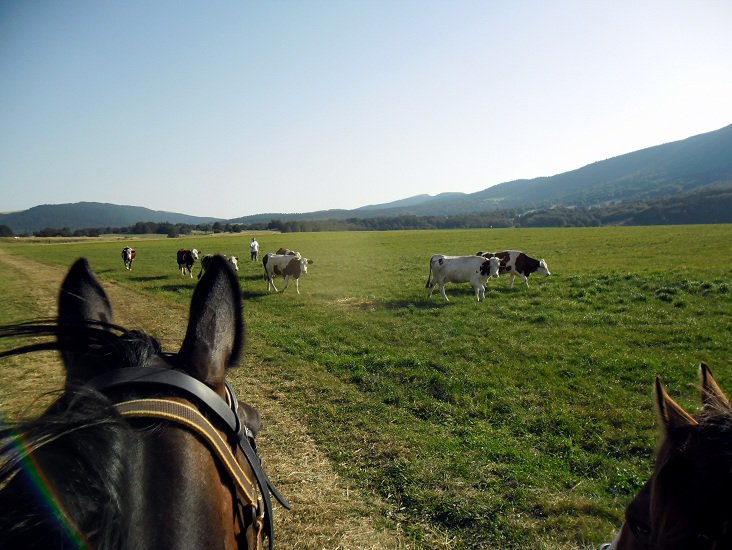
x: 190, y: 417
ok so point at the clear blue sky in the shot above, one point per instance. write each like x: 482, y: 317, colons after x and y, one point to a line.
x: 233, y: 108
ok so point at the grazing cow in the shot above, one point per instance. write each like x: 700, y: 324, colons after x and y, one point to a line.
x: 186, y: 259
x: 286, y: 252
x: 461, y: 269
x: 128, y: 256
x: 516, y: 263
x: 284, y: 265
x: 208, y: 258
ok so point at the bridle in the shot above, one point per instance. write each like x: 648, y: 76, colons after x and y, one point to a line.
x: 226, y: 411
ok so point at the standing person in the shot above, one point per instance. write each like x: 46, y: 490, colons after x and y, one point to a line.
x: 254, y: 248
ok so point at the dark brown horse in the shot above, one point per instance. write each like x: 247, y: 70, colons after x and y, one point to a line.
x: 143, y: 449
x: 687, y: 502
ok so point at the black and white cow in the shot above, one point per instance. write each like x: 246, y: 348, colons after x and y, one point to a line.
x: 516, y: 263
x: 461, y: 269
x: 186, y: 259
x: 128, y: 256
x: 284, y: 265
x: 207, y: 258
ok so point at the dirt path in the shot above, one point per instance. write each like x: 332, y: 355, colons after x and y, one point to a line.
x: 327, y: 513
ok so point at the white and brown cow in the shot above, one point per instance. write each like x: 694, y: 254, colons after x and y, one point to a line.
x: 284, y: 265
x: 186, y: 259
x: 516, y: 263
x: 461, y: 269
x: 286, y: 252
x: 207, y: 258
x: 128, y: 256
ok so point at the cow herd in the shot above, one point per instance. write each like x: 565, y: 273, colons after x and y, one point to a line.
x: 288, y: 264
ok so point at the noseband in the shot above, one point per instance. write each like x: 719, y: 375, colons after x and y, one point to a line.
x: 154, y: 379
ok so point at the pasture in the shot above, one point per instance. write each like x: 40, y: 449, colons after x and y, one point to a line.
x: 522, y: 421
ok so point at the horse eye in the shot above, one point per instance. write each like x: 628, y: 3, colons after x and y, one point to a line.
x: 640, y: 530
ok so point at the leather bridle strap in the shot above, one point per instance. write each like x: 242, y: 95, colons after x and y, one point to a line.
x: 180, y: 413
x: 156, y: 378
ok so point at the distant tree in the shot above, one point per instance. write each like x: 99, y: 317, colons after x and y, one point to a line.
x: 5, y: 231
x: 142, y: 228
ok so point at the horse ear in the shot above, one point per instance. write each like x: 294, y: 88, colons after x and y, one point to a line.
x: 712, y: 395
x: 671, y: 414
x: 82, y: 304
x: 215, y: 333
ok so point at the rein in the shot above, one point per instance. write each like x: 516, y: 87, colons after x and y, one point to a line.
x: 193, y: 419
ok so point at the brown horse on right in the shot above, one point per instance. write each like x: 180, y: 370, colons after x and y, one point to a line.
x: 687, y: 502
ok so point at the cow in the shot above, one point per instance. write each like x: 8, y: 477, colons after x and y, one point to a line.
x: 128, y: 256
x: 286, y: 252
x: 516, y: 263
x: 186, y: 259
x: 284, y: 265
x: 461, y: 269
x: 207, y: 258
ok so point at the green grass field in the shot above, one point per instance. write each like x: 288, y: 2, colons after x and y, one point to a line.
x: 513, y: 422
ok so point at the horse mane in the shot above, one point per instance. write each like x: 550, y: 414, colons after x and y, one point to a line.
x: 715, y: 427
x: 80, y: 443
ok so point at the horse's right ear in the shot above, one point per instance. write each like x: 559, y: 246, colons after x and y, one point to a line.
x: 215, y: 335
x: 712, y: 395
x: 82, y: 303
x: 671, y: 414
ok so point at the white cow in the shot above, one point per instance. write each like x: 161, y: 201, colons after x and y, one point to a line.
x: 461, y: 269
x: 284, y: 265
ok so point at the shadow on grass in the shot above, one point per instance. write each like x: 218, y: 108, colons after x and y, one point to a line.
x: 466, y: 292
x: 416, y: 304
x: 247, y: 294
x: 148, y: 279
x: 176, y: 288
x: 258, y: 277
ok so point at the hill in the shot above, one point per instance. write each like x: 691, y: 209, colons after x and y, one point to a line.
x: 671, y: 169
x: 673, y: 173
x: 83, y: 215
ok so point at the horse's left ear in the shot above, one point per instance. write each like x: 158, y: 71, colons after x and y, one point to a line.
x: 671, y: 414
x: 82, y: 304
x: 215, y: 334
x: 712, y: 395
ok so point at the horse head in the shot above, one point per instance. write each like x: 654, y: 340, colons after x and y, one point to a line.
x: 144, y: 449
x: 685, y: 503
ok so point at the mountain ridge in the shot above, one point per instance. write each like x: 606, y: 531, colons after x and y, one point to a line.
x: 670, y: 169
